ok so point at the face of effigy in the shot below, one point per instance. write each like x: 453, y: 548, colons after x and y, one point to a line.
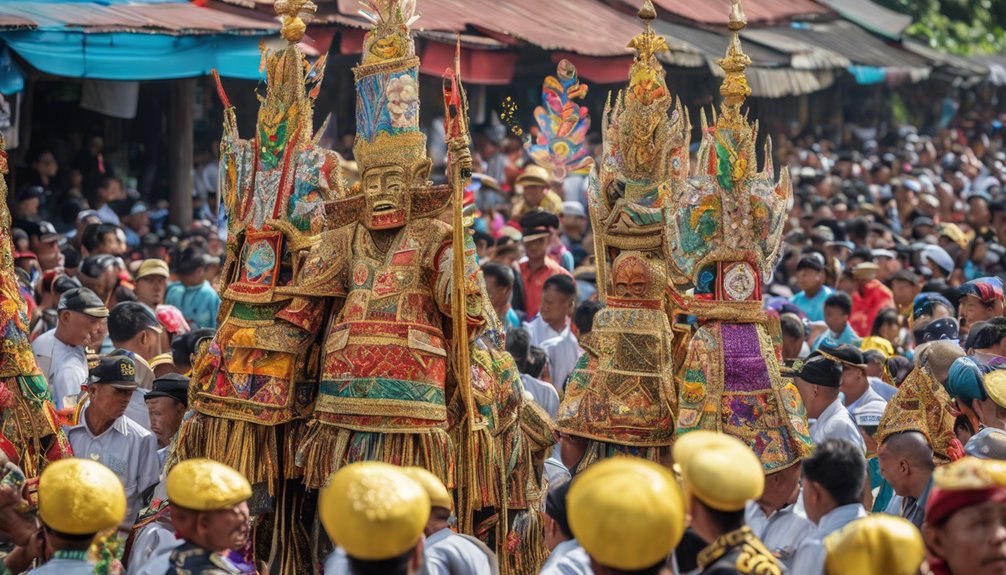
x: 388, y: 202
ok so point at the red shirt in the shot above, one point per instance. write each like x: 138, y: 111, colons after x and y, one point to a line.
x: 534, y: 283
x: 866, y: 304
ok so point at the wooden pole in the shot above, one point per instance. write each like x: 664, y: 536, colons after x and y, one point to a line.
x: 180, y: 126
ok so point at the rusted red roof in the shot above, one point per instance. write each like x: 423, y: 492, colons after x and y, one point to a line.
x: 175, y: 18
x: 718, y: 11
x: 586, y: 27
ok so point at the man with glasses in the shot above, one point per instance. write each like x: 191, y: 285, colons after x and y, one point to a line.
x: 60, y: 352
x: 136, y: 334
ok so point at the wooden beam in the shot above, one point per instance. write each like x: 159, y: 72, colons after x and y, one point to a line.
x: 180, y: 126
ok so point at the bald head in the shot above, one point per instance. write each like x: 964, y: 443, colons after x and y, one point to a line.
x: 911, y: 447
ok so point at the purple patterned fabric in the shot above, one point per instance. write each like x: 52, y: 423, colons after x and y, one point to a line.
x: 744, y: 368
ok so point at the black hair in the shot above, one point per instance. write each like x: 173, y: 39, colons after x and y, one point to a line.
x: 899, y: 367
x: 791, y: 326
x: 840, y: 300
x: 94, y: 266
x: 395, y: 566
x: 561, y: 283
x: 725, y: 521
x: 839, y: 467
x: 884, y: 317
x: 874, y: 356
x: 555, y: 507
x: 537, y: 359
x: 501, y: 274
x: 128, y: 319
x: 75, y: 542
x: 992, y: 334
x: 124, y: 294
x: 583, y: 317
x: 518, y: 345
x: 94, y: 234
x: 185, y: 346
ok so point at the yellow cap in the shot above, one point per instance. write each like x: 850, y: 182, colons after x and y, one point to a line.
x: 435, y: 489
x: 159, y: 360
x: 995, y: 386
x: 80, y: 497
x: 627, y: 513
x: 878, y: 343
x: 970, y: 473
x: 206, y: 485
x: 373, y: 510
x: 719, y: 470
x: 688, y: 444
x: 153, y: 268
x: 875, y: 545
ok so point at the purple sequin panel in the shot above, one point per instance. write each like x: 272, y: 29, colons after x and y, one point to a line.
x: 743, y: 365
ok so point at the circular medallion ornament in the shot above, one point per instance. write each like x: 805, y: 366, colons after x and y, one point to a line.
x: 360, y: 275
x: 739, y: 282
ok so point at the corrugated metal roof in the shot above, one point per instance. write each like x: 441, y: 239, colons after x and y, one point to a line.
x: 873, y: 17
x: 949, y: 63
x: 582, y: 26
x: 714, y: 44
x: 757, y: 11
x: 165, y: 18
x: 854, y: 43
x: 802, y: 55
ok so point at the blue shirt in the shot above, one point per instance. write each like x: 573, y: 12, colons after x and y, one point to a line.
x: 199, y: 303
x: 813, y: 307
x: 848, y: 335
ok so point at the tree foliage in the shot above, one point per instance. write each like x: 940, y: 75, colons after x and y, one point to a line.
x: 957, y: 26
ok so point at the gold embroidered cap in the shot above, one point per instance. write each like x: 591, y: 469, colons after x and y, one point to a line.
x: 435, y: 489
x: 80, y: 497
x: 719, y: 470
x: 206, y: 485
x: 627, y: 513
x: 373, y: 510
x: 876, y: 545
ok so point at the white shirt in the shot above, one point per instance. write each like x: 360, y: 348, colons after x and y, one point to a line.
x: 108, y: 215
x: 836, y: 423
x: 64, y: 367
x: 544, y: 394
x: 151, y: 550
x: 869, y: 397
x: 783, y: 531
x: 125, y: 448
x: 568, y: 558
x: 562, y: 348
x: 811, y: 554
x: 448, y: 553
x: 883, y: 389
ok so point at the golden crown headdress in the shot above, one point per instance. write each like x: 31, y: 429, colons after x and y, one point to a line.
x: 645, y: 148
x: 727, y: 224
x: 387, y: 88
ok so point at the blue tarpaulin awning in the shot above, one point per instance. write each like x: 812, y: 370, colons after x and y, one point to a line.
x: 131, y: 39
x: 125, y: 56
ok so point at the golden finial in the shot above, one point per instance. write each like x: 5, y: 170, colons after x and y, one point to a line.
x: 735, y: 87
x: 293, y: 13
x: 648, y: 42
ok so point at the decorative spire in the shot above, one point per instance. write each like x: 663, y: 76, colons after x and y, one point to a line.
x: 293, y: 13
x: 735, y: 87
x: 648, y: 43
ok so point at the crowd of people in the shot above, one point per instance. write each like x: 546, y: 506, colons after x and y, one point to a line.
x: 889, y: 302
